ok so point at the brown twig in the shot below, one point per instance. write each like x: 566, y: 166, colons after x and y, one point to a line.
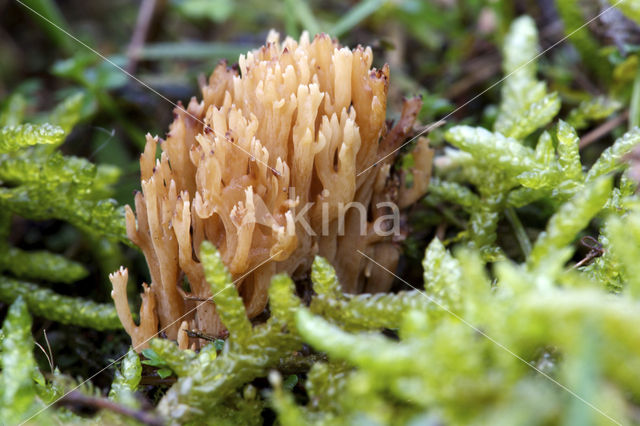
x: 150, y: 377
x: 478, y: 71
x: 143, y: 23
x: 430, y: 127
x: 441, y: 230
x: 595, y: 250
x: 200, y: 335
x: 199, y: 299
x: 603, y: 129
x: 77, y: 399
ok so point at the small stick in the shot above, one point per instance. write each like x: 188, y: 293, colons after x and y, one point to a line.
x: 143, y: 23
x: 603, y: 129
x: 46, y: 355
x: 479, y: 72
x: 154, y: 380
x: 595, y: 250
x: 76, y: 398
x: 200, y: 335
x: 430, y: 127
x: 518, y: 229
x: 441, y: 231
x: 199, y: 299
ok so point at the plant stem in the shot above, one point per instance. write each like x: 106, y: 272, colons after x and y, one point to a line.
x: 634, y: 110
x: 521, y: 234
x: 77, y: 399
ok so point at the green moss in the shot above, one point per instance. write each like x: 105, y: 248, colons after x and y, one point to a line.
x: 17, y: 393
x: 13, y: 138
x: 597, y: 108
x: 37, y: 182
x: 208, y: 387
x: 570, y: 219
x: 126, y: 379
x: 482, y: 339
x: 42, y: 265
x: 501, y: 164
x: 67, y: 310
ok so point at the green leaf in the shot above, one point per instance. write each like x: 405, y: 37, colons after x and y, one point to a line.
x: 536, y: 115
x: 545, y: 153
x: 165, y: 353
x: 194, y: 50
x: 454, y: 193
x: 483, y: 224
x: 230, y: 305
x: 68, y: 113
x: 283, y: 301
x: 568, y: 152
x: 355, y: 15
x: 164, y: 373
x: 37, y: 167
x: 324, y: 278
x: 126, y: 378
x: 209, y: 382
x: 215, y: 10
x: 364, y: 349
x: 571, y: 218
x: 611, y: 158
x: 303, y: 13
x: 218, y: 344
x: 594, y: 109
x: 625, y: 235
x: 13, y: 138
x: 12, y: 111
x: 290, y: 382
x: 64, y: 309
x: 442, y: 275
x: 525, y: 105
x: 63, y: 202
x: 520, y: 48
x: 17, y: 392
x: 492, y: 150
x: 41, y: 265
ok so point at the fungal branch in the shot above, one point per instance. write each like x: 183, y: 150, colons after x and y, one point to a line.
x: 312, y: 116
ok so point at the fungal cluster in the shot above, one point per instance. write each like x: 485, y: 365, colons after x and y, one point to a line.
x: 287, y: 156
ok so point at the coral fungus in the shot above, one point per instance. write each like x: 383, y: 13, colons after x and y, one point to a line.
x: 287, y: 156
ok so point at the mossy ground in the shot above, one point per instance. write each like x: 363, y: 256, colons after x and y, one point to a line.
x: 517, y: 297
